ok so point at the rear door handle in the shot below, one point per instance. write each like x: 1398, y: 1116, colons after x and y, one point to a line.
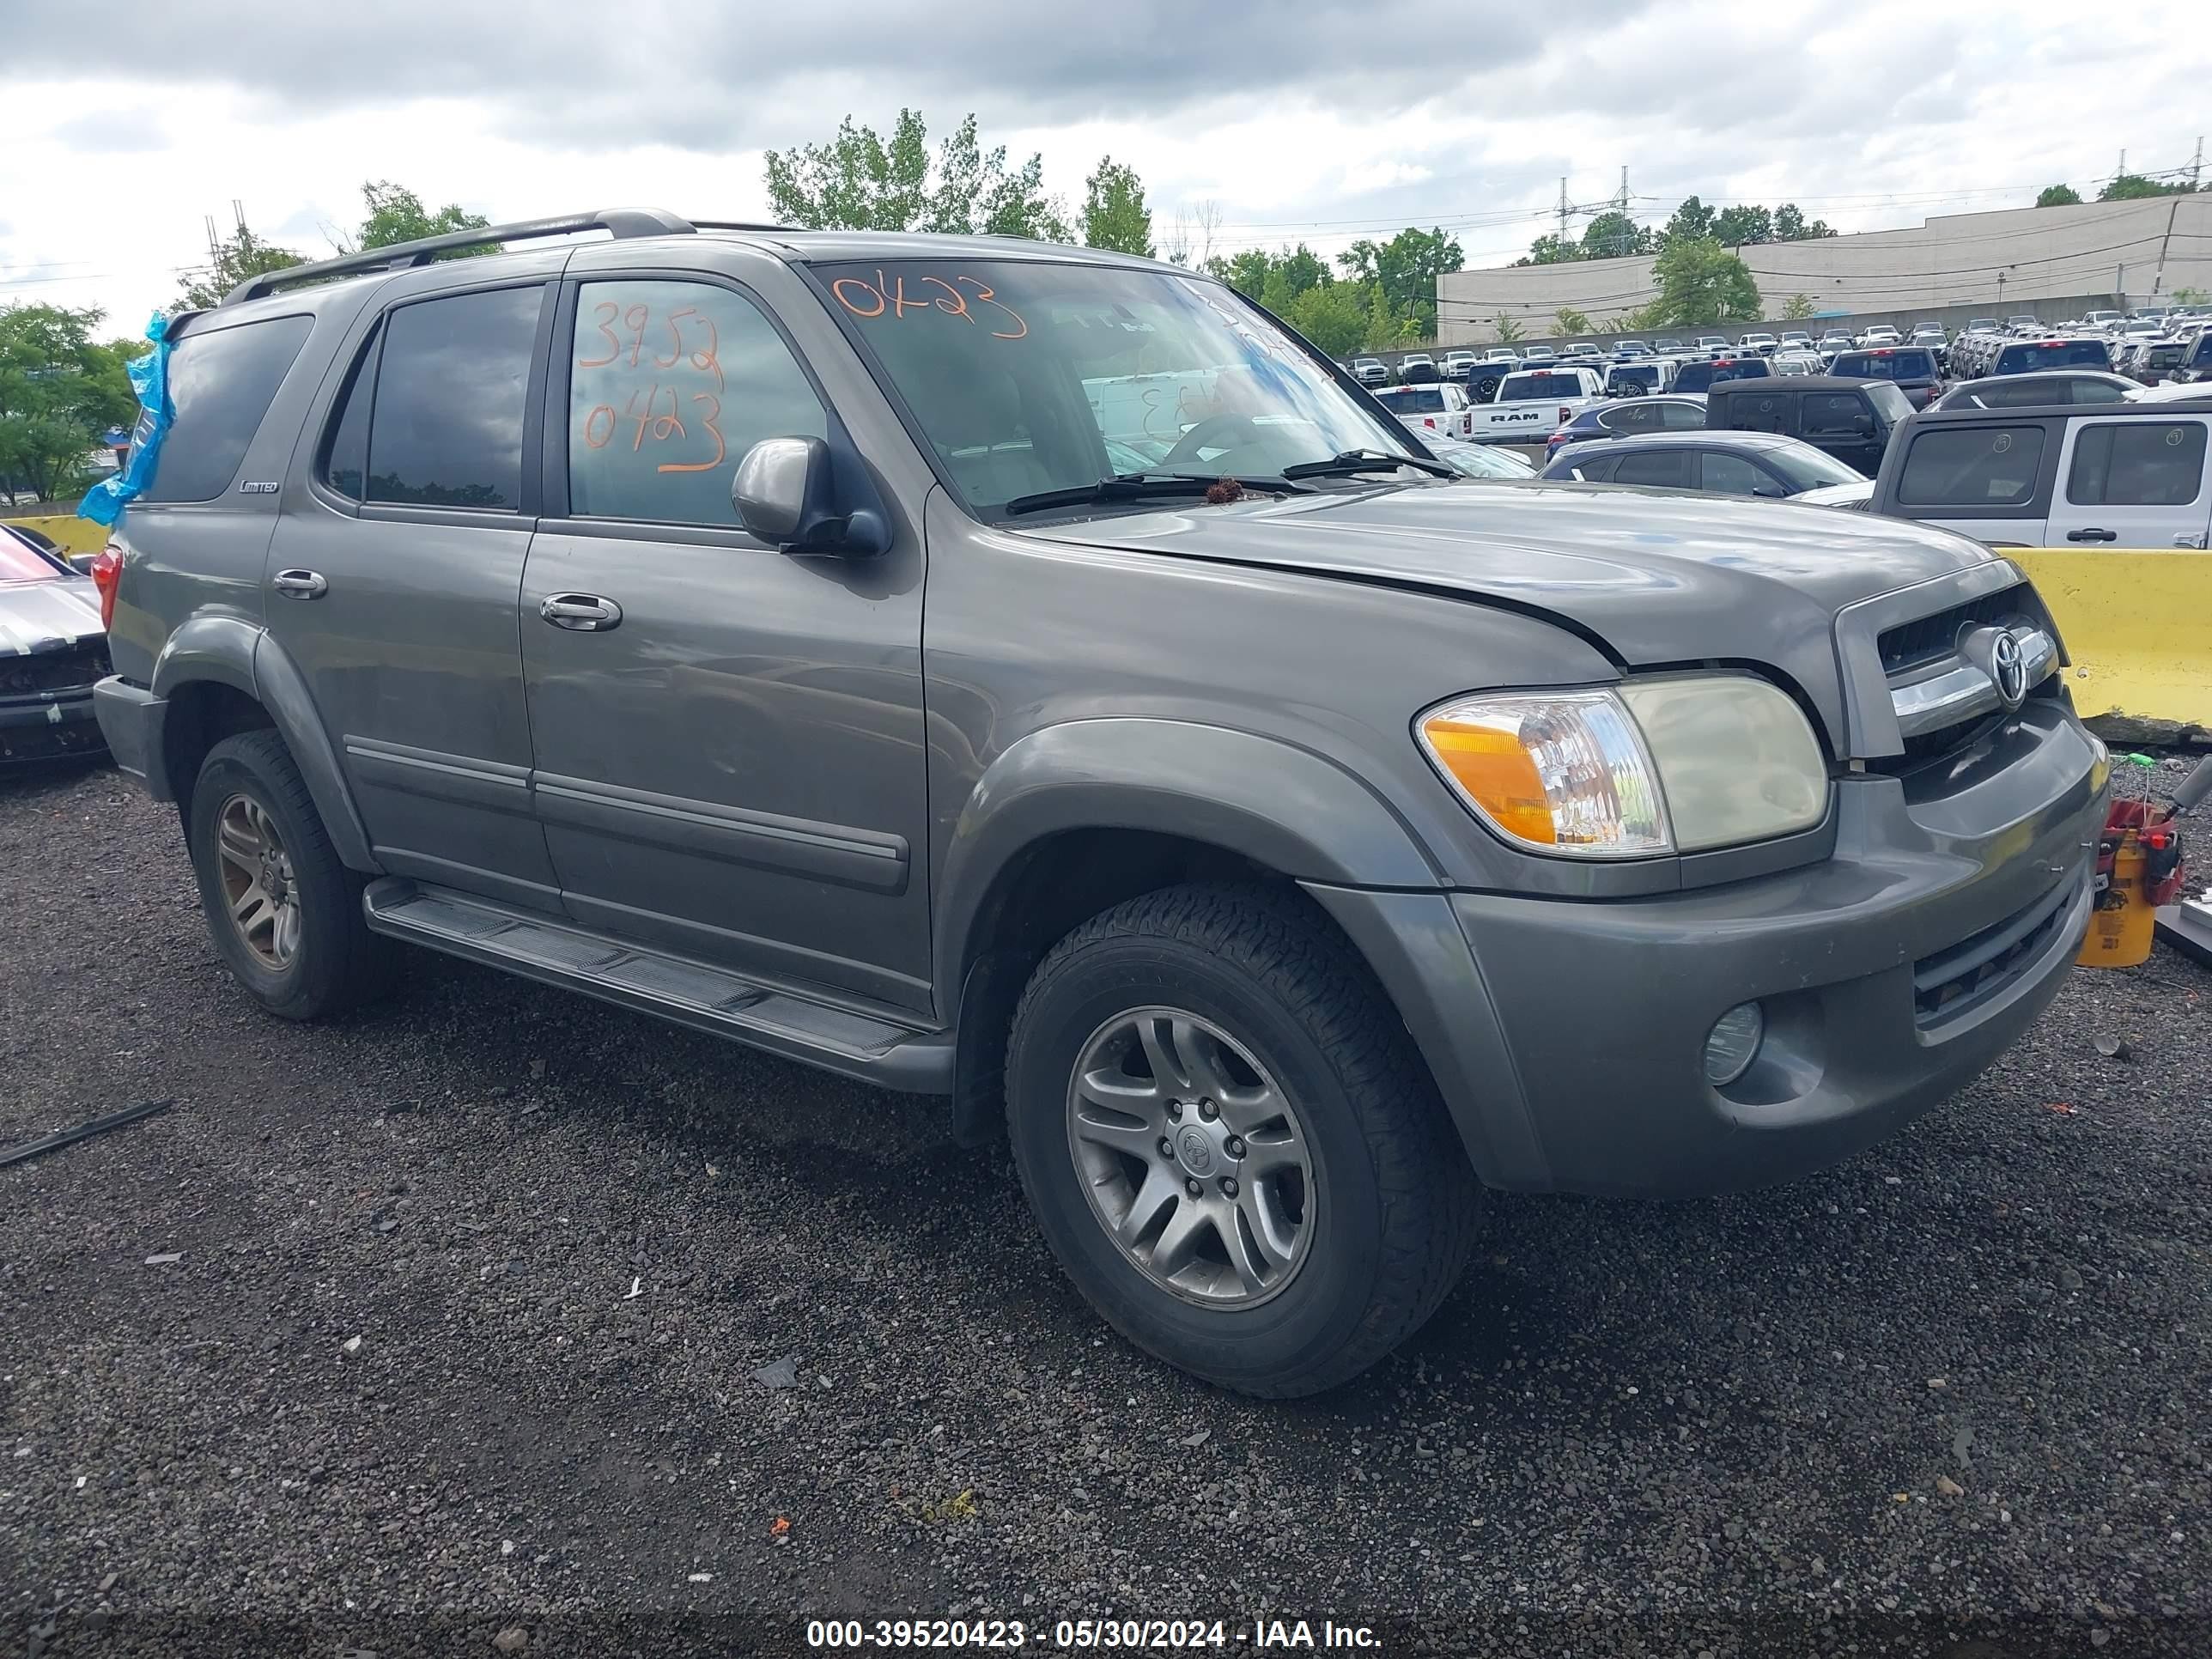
x: 583, y: 613
x: 2092, y: 535
x: 299, y: 584
x: 2186, y: 540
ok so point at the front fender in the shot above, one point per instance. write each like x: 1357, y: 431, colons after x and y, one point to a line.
x: 1281, y: 806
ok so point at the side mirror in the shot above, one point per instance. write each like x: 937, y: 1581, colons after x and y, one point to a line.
x: 786, y: 493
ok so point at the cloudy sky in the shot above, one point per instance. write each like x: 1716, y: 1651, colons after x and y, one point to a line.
x: 126, y: 124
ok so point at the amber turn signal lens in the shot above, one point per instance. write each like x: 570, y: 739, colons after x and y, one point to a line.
x: 1485, y: 757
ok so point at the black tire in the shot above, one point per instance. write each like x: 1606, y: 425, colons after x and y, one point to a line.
x: 338, y: 964
x: 1397, y: 1203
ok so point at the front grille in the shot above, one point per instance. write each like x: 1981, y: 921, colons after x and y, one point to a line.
x: 1953, y: 981
x: 43, y: 673
x: 1908, y: 645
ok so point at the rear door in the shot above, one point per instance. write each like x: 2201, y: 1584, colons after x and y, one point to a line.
x: 1987, y: 479
x: 2133, y: 482
x: 1842, y: 423
x: 394, y: 574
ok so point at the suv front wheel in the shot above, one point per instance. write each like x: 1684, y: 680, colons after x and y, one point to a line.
x: 1230, y: 1142
x: 284, y: 912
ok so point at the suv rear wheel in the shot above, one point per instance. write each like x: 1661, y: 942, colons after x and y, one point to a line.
x: 284, y: 912
x: 1230, y: 1142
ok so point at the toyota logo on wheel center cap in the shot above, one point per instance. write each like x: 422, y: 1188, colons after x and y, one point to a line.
x: 1197, y: 1149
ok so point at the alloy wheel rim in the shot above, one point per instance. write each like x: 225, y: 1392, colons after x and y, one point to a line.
x: 1194, y: 1161
x: 260, y: 891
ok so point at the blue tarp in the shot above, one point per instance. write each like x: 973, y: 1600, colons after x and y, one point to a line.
x: 150, y: 378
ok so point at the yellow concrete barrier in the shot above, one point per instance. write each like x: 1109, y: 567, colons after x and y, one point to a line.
x: 67, y: 531
x: 2138, y: 624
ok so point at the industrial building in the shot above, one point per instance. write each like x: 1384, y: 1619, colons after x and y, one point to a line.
x: 2112, y: 253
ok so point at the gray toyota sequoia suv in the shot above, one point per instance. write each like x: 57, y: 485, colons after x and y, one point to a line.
x: 1031, y: 675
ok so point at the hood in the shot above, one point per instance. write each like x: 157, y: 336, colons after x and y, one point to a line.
x: 47, y: 616
x: 1652, y: 577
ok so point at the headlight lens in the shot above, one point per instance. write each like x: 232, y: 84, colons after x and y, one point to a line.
x: 1661, y: 766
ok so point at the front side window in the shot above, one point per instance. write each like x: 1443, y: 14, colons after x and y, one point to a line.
x: 221, y: 384
x: 446, y: 428
x: 1029, y: 376
x: 669, y: 385
x: 1732, y: 475
x: 2137, y: 464
x: 1978, y: 466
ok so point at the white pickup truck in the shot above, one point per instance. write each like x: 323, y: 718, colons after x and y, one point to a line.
x: 1532, y: 405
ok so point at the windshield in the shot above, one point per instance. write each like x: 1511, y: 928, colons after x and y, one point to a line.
x: 1909, y: 365
x: 1520, y: 388
x: 1412, y: 400
x: 21, y: 562
x: 1025, y: 377
x: 1807, y: 468
x: 2053, y: 354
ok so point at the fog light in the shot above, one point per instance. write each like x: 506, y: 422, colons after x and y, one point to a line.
x: 1733, y: 1043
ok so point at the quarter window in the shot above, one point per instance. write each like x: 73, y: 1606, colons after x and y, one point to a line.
x: 345, y: 456
x: 2138, y: 463
x: 670, y: 384
x: 1979, y: 466
x: 221, y: 384
x: 446, y: 427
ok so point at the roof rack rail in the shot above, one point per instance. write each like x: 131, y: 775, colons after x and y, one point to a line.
x: 622, y: 223
x: 740, y: 224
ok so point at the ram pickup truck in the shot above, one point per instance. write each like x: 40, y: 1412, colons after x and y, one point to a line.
x: 1531, y: 405
x: 1033, y: 677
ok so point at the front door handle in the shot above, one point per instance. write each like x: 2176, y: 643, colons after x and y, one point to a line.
x: 2092, y: 535
x: 299, y: 584
x: 584, y: 613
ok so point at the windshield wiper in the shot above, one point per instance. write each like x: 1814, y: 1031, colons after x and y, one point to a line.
x: 1136, y: 486
x: 1366, y: 460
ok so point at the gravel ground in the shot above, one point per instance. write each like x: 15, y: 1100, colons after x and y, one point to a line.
x: 435, y: 1330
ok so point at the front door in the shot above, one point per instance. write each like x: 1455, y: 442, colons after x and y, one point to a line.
x: 2132, y: 482
x: 393, y: 577
x: 728, y: 739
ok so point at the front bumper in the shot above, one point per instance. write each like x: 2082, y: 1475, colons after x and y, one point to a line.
x: 48, y: 728
x: 1567, y: 1037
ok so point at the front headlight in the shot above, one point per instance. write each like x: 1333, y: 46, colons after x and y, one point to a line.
x: 1657, y: 766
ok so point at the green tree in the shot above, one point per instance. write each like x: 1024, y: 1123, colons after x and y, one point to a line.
x: 1790, y: 225
x: 1385, y: 327
x: 859, y: 181
x: 1508, y: 330
x: 1799, y: 307
x: 59, y: 391
x: 1700, y: 283
x: 2193, y: 297
x: 1407, y: 266
x: 1114, y: 211
x: 1331, y: 316
x: 1743, y: 224
x: 1245, y: 271
x: 1572, y: 321
x: 2135, y: 187
x: 1552, y: 249
x: 243, y: 256
x: 1614, y: 235
x: 2058, y: 196
x: 396, y: 214
x: 1692, y: 222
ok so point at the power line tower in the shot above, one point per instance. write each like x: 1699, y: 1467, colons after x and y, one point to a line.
x: 1564, y: 209
x: 2196, y: 162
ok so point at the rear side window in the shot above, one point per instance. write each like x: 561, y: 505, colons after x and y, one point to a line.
x: 220, y: 384
x: 1835, y: 414
x: 1666, y: 468
x: 1681, y: 418
x: 445, y: 429
x: 1413, y: 400
x: 2138, y: 463
x: 1980, y: 466
x: 670, y: 385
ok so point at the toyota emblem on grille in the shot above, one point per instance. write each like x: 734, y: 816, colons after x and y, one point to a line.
x: 2009, y: 668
